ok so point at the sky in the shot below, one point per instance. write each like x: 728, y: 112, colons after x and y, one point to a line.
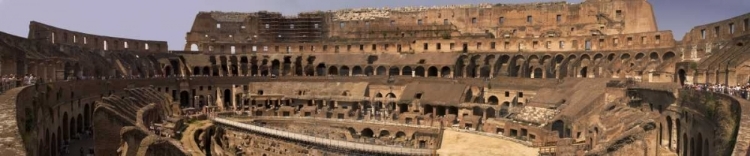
x: 170, y: 20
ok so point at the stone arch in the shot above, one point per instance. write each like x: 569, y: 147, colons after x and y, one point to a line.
x: 460, y: 65
x: 477, y: 111
x: 419, y: 71
x: 333, y: 70
x: 234, y: 70
x: 500, y: 66
x: 168, y: 71
x: 194, y: 47
x: 471, y: 69
x: 379, y: 95
x: 381, y: 71
x: 390, y: 95
x: 493, y: 100
x: 445, y: 71
x: 384, y: 133
x: 344, y: 71
x: 369, y: 71
x: 367, y: 132
x: 321, y: 69
x: 611, y: 56
x: 639, y: 56
x: 536, y: 73
x: 559, y: 126
x: 668, y: 56
x: 516, y: 66
x: 406, y: 71
x: 432, y: 71
x: 275, y: 67
x: 357, y: 70
x: 206, y: 71
x: 394, y: 71
x: 654, y: 56
x: 490, y: 113
x: 400, y: 135
x: 625, y: 56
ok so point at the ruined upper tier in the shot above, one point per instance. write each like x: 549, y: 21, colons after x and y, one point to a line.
x: 406, y: 29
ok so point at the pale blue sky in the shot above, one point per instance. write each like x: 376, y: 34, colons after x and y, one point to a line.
x: 169, y: 20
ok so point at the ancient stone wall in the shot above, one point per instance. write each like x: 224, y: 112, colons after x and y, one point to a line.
x: 42, y: 32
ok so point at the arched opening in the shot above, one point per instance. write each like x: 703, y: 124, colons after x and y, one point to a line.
x: 227, y: 98
x: 206, y: 71
x: 699, y: 145
x: 235, y: 70
x: 357, y: 71
x: 584, y: 72
x: 668, y: 56
x: 184, y: 99
x: 344, y: 71
x: 681, y: 76
x: 419, y: 71
x: 367, y: 132
x: 394, y: 71
x: 406, y: 71
x: 369, y: 71
x: 380, y: 71
x: 275, y: 66
x: 193, y: 47
x: 196, y: 71
x: 384, y: 134
x: 73, y: 126
x: 493, y: 100
x: 321, y: 69
x: 400, y: 135
x: 432, y: 71
x: 537, y: 73
x: 559, y: 126
x: 639, y: 56
x: 333, y: 71
x: 477, y: 111
x: 490, y: 112
x: 654, y: 56
x: 390, y: 95
x: 445, y: 71
x: 168, y: 71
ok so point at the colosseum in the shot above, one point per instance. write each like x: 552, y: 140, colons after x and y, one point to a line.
x: 552, y: 78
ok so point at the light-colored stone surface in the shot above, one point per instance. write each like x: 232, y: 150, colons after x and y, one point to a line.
x: 467, y: 144
x: 10, y: 139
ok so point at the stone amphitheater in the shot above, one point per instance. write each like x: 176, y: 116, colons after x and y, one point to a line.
x: 557, y: 78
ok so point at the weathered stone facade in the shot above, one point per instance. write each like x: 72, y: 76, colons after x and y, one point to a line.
x: 593, y: 78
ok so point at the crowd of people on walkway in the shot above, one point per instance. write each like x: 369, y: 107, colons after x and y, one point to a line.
x: 738, y: 90
x: 11, y: 81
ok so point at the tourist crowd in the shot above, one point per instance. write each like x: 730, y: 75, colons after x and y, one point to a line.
x: 8, y: 82
x: 738, y: 90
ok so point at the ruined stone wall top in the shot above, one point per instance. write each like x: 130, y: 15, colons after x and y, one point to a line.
x: 55, y: 35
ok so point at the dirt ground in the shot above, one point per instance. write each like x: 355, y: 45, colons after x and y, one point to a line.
x: 467, y: 144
